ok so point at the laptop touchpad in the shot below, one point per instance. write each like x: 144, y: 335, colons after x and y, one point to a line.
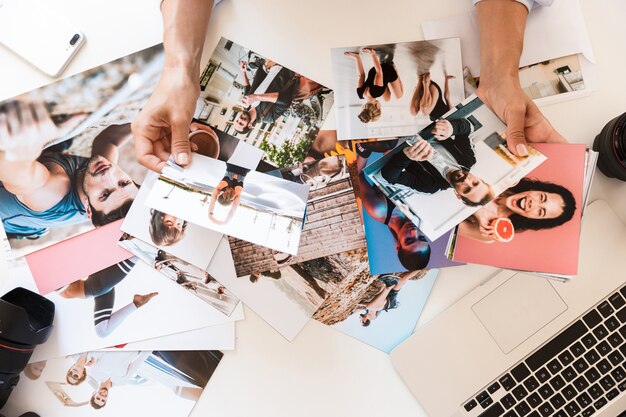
x: 518, y: 308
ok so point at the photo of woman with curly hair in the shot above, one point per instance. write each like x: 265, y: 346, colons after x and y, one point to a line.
x: 533, y: 225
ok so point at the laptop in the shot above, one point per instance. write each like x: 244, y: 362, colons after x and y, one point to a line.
x: 522, y: 345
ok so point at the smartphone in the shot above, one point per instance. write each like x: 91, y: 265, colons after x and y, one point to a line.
x: 40, y: 36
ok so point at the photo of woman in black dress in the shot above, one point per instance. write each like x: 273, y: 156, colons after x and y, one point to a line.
x: 382, y: 81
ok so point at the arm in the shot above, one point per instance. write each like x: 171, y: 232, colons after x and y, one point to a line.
x: 219, y: 188
x: 244, y: 76
x: 446, y: 91
x: 394, y: 167
x: 461, y: 127
x: 25, y: 128
x: 233, y: 208
x: 108, y: 142
x: 163, y: 124
x: 414, y: 108
x: 378, y: 79
x: 501, y: 24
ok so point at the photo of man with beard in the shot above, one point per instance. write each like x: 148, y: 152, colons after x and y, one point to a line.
x: 440, y: 164
x: 42, y: 189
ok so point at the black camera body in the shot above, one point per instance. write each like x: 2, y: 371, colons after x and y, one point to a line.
x: 611, y: 146
x: 25, y: 322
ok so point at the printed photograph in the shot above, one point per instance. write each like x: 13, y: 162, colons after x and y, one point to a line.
x: 380, y: 310
x: 394, y: 243
x: 287, y: 297
x: 234, y: 200
x: 115, y: 384
x: 187, y: 241
x: 261, y: 102
x: 549, y: 78
x: 74, y: 134
x: 539, y: 215
x: 333, y: 222
x: 173, y: 234
x: 395, y: 89
x: 191, y: 278
x: 450, y: 169
x: 119, y: 304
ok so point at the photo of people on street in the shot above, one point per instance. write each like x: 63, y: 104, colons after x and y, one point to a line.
x: 67, y: 164
x: 116, y: 384
x: 395, y: 89
x: 231, y: 199
x: 450, y: 169
x: 394, y: 243
x: 380, y: 310
x: 188, y: 276
x: 262, y: 102
x: 542, y: 210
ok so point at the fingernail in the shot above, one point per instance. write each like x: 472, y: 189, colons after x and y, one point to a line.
x: 182, y: 158
x: 522, y: 150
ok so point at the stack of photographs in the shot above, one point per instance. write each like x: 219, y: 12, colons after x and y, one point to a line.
x: 348, y: 227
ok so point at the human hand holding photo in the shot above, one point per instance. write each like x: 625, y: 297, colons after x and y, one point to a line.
x: 421, y: 150
x: 162, y: 127
x: 501, y: 25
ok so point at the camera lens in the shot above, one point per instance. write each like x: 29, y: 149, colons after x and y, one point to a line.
x: 25, y: 322
x: 611, y: 146
x: 74, y: 39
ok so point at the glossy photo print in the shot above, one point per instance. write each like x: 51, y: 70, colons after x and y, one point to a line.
x: 395, y: 89
x: 262, y: 102
x: 119, y: 304
x: 172, y: 234
x: 233, y: 199
x: 84, y: 140
x: 196, y: 280
x: 333, y: 222
x: 156, y: 382
x: 380, y: 310
x: 450, y: 169
x: 394, y: 243
x: 539, y: 216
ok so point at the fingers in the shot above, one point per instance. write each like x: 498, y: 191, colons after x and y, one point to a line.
x: 515, y: 137
x: 420, y: 151
x: 148, y: 147
x: 180, y: 142
x: 442, y: 130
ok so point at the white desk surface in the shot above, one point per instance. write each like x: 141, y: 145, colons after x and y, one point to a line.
x: 324, y: 372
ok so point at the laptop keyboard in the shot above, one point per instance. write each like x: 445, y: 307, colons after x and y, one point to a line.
x: 576, y: 373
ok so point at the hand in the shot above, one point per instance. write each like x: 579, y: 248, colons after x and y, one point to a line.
x: 250, y: 100
x: 525, y: 122
x: 420, y: 151
x: 369, y: 51
x: 442, y: 130
x: 25, y: 128
x: 243, y: 66
x: 162, y: 127
x: 486, y: 231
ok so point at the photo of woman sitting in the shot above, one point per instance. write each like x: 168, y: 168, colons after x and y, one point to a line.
x: 529, y: 205
x: 228, y: 192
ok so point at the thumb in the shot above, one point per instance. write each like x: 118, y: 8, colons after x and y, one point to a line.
x: 515, y: 137
x: 180, y: 142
